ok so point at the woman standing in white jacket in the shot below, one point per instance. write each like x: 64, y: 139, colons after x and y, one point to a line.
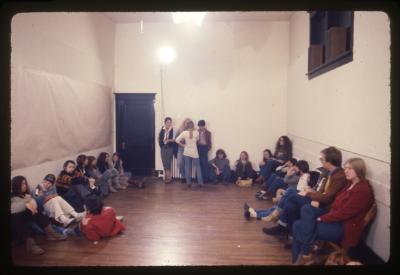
x: 190, y: 153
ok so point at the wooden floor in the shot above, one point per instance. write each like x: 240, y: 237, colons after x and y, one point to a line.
x: 170, y: 225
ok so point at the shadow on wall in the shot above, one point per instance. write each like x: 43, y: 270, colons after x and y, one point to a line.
x: 242, y: 37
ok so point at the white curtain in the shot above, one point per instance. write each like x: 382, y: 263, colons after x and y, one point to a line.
x: 53, y: 116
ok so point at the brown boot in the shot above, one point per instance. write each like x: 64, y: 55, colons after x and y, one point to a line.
x: 52, y: 235
x: 33, y: 248
x: 168, y: 176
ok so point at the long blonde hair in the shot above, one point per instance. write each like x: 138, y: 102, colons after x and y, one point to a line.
x: 183, y: 126
x: 190, y: 128
x: 358, y: 166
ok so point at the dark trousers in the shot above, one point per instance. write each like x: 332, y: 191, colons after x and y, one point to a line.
x: 203, y: 156
x: 307, y: 230
x: 21, y: 228
x: 291, y: 210
x: 224, y: 176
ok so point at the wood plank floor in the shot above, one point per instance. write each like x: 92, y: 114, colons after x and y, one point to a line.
x: 170, y: 225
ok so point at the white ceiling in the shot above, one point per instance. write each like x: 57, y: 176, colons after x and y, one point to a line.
x: 133, y: 17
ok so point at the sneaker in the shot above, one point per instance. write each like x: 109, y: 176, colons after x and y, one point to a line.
x: 246, y: 208
x: 120, y: 218
x: 52, y: 235
x: 278, y: 230
x: 264, y: 197
x: 79, y: 216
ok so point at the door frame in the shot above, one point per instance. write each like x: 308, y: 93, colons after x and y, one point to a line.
x: 117, y: 141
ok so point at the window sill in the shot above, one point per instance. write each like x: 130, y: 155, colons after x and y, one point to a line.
x: 331, y: 64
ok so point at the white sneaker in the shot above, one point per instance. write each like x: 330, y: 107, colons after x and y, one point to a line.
x: 78, y: 216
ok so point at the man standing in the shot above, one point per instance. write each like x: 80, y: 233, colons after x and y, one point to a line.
x: 204, y: 146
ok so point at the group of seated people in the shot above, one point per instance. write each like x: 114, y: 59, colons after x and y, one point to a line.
x: 70, y: 203
x: 328, y: 204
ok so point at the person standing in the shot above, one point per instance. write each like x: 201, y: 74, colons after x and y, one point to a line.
x: 204, y: 146
x: 166, y: 140
x: 179, y: 153
x: 190, y: 153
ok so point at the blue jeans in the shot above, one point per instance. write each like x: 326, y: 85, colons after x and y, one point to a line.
x: 276, y: 184
x: 265, y: 213
x: 270, y: 167
x: 289, y: 192
x: 203, y: 156
x: 224, y: 176
x: 307, y: 230
x: 180, y: 162
x: 269, y: 181
x: 188, y: 167
x: 263, y: 170
x: 291, y: 210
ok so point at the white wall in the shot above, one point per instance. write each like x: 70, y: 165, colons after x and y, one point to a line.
x: 233, y: 75
x: 348, y: 107
x: 76, y: 49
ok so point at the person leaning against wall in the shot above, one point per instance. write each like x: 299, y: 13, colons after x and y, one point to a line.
x: 166, y: 141
x: 203, y: 147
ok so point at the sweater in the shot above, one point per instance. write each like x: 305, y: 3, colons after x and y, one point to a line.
x: 190, y: 149
x: 18, y: 203
x: 350, y: 207
x: 63, y: 181
x: 102, y: 225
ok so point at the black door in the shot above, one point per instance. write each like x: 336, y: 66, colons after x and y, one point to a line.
x: 135, y: 138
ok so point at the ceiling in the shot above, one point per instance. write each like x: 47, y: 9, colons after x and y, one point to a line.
x: 133, y: 17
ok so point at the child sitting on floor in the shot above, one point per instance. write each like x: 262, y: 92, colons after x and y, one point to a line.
x: 100, y: 221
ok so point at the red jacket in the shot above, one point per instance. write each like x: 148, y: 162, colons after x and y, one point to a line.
x: 104, y: 224
x: 350, y: 207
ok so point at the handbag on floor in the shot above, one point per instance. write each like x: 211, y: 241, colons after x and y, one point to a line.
x: 244, y: 182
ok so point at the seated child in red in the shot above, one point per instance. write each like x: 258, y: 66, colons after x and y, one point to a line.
x: 100, y: 221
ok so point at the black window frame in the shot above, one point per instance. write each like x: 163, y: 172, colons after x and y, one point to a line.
x: 320, y: 22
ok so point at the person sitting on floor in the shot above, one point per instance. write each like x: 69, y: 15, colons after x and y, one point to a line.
x: 104, y: 164
x: 24, y: 214
x: 331, y: 159
x: 219, y: 168
x: 81, y: 162
x: 275, y: 181
x: 296, y: 179
x: 100, y: 221
x: 54, y: 205
x: 125, y: 178
x: 63, y: 182
x: 243, y: 168
x: 283, y: 152
x: 344, y: 221
x: 101, y: 180
x: 267, y: 154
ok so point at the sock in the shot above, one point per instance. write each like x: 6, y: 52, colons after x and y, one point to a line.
x: 253, y: 213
